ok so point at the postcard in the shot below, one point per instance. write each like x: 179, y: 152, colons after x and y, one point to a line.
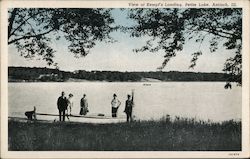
x: 124, y: 79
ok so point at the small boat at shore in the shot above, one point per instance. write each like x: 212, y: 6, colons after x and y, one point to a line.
x: 93, y: 116
x: 90, y: 118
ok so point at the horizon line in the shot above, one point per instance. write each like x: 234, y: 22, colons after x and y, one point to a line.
x: 117, y: 70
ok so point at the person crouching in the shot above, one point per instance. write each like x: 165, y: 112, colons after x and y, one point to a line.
x: 31, y: 114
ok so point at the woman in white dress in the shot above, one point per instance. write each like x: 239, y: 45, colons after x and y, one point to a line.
x: 70, y: 104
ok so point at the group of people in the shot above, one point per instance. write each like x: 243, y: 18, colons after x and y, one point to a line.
x: 115, y: 103
x: 65, y: 106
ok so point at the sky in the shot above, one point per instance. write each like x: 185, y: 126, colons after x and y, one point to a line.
x: 119, y: 56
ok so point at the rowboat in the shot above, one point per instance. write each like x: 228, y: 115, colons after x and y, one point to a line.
x: 93, y: 116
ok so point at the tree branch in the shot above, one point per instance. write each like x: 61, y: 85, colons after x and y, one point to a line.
x: 216, y: 33
x: 10, y: 34
x: 224, y: 32
x: 213, y: 31
x: 27, y: 37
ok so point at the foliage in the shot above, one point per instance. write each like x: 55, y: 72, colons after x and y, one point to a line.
x: 169, y: 29
x: 31, y: 30
x: 180, y: 134
x: 46, y: 74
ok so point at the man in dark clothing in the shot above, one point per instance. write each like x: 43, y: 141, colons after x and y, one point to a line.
x: 62, y: 106
x: 84, y: 105
x: 128, y: 108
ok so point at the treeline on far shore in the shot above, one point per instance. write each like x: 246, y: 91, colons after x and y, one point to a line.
x: 27, y: 74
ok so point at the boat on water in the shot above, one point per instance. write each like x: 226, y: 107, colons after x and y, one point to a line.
x: 91, y: 118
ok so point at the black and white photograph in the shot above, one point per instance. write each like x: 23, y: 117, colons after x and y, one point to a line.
x: 146, y: 76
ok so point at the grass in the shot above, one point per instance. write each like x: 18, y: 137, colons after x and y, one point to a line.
x: 180, y: 134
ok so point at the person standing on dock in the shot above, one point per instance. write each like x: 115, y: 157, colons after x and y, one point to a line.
x: 84, y: 105
x: 62, y: 106
x: 115, y: 103
x: 129, y: 107
x: 70, y: 104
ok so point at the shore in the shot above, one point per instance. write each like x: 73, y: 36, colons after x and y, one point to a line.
x: 180, y: 134
x: 84, y: 80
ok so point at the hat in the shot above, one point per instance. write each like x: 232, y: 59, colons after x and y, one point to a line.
x: 115, y: 95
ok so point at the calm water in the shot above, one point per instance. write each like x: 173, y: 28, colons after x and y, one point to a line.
x: 202, y: 100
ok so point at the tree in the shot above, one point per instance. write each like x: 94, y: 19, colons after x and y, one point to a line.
x: 31, y: 30
x: 169, y: 29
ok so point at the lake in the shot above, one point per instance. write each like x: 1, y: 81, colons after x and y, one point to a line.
x: 201, y: 100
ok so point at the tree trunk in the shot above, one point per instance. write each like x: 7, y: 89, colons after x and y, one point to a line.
x: 11, y: 21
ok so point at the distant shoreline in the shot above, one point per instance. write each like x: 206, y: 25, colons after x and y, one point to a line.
x: 110, y: 81
x: 83, y: 80
x: 89, y: 81
x: 26, y: 74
